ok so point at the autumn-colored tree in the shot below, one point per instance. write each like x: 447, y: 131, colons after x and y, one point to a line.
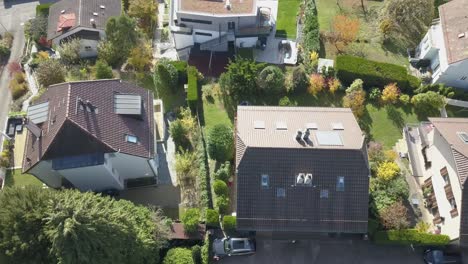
x: 145, y: 12
x: 388, y: 170
x: 140, y: 57
x: 333, y: 85
x: 390, y: 94
x: 317, y: 84
x: 14, y: 67
x: 386, y: 26
x: 344, y: 31
x: 394, y: 216
x: 355, y: 98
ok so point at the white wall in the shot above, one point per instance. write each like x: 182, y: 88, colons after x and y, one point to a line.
x: 43, y: 171
x: 183, y: 40
x: 453, y: 74
x: 202, y: 39
x: 92, y: 51
x: 130, y: 167
x: 95, y: 178
x: 249, y: 42
x: 84, y: 43
x: 441, y: 156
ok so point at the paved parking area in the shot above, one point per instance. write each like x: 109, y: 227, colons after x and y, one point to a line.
x: 327, y: 252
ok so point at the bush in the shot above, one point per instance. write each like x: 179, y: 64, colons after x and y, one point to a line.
x: 179, y: 134
x: 4, y: 51
x: 388, y: 170
x: 410, y: 236
x: 192, y: 89
x: 205, y: 251
x: 285, y: 101
x: 221, y: 143
x: 375, y: 94
x: 271, y: 80
x: 196, y: 254
x: 222, y: 203
x: 317, y: 84
x: 43, y: 9
x: 311, y: 33
x: 14, y: 67
x: 220, y: 188
x: 166, y: 76
x: 394, y: 216
x: 374, y: 74
x: 178, y: 256
x: 428, y: 104
x: 212, y: 218
x: 50, y: 72
x: 181, y: 67
x: 103, y: 70
x: 298, y: 81
x: 229, y: 223
x: 190, y: 219
x: 18, y: 86
x: 224, y: 172
x: 404, y: 99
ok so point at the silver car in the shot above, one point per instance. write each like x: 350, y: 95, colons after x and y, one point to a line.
x: 233, y: 246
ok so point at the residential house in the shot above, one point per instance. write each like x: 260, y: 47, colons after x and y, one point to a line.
x: 92, y: 135
x: 440, y: 150
x: 300, y: 170
x: 444, y: 49
x: 81, y: 19
x: 215, y: 23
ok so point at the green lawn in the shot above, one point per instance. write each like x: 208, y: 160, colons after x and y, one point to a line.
x: 286, y: 26
x: 214, y: 113
x: 246, y: 53
x: 16, y: 178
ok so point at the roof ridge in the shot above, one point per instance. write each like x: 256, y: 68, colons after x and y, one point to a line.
x: 295, y: 108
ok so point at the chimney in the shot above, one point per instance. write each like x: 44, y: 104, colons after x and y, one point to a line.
x: 306, y: 136
x: 300, y: 178
x: 299, y: 136
x: 92, y: 22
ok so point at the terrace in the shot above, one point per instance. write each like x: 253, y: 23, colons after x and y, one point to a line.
x: 218, y: 7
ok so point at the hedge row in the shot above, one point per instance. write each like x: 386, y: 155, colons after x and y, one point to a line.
x: 203, y: 177
x: 181, y: 67
x: 192, y: 89
x: 311, y: 31
x: 374, y: 74
x: 229, y: 224
x: 410, y: 236
x: 43, y: 9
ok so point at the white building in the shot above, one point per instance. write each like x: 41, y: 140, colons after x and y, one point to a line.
x: 440, y: 158
x: 81, y: 19
x: 92, y: 135
x: 216, y: 24
x: 444, y: 49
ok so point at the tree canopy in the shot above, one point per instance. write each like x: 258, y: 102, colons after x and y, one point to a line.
x: 221, y: 143
x: 271, y: 79
x: 428, y: 104
x: 70, y: 51
x: 121, y: 34
x: 178, y: 256
x: 72, y: 227
x: 145, y: 12
x: 50, y: 71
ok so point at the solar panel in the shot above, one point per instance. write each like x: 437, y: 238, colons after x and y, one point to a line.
x: 312, y: 126
x: 337, y: 126
x: 259, y: 124
x: 328, y: 138
x: 281, y: 126
x: 280, y: 192
x: 127, y: 104
x: 38, y: 113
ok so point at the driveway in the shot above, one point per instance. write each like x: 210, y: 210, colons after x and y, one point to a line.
x: 327, y: 252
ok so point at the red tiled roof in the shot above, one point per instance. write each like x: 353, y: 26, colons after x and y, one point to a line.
x: 66, y: 21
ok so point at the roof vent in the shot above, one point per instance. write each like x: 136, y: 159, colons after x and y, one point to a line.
x: 308, y: 179
x: 306, y: 136
x: 62, y: 12
x: 95, y: 14
x: 463, y: 136
x: 312, y: 126
x: 299, y: 136
x: 300, y: 178
x: 281, y: 126
x: 259, y: 124
x: 337, y: 126
x: 102, y: 6
x: 228, y: 5
x: 461, y: 35
x: 92, y: 21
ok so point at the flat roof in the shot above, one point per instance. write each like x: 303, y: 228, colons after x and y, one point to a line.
x: 217, y: 7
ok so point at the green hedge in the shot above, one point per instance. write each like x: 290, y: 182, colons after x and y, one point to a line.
x: 212, y: 218
x: 410, y: 236
x: 181, y: 67
x: 43, y: 9
x: 229, y: 223
x: 374, y: 74
x: 192, y: 89
x: 311, y: 31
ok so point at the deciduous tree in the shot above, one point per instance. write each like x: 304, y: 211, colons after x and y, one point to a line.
x: 70, y: 51
x: 388, y: 170
x: 390, y: 94
x: 317, y: 84
x: 429, y: 103
x: 121, y: 33
x: 145, y: 12
x: 344, y: 31
x: 103, y: 70
x: 271, y: 80
x: 355, y: 98
x: 141, y: 57
x: 165, y: 76
x: 221, y: 143
x: 395, y: 216
x: 50, y: 72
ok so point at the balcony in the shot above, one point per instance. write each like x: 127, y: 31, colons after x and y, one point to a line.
x: 437, y: 219
x: 448, y: 191
x: 454, y: 212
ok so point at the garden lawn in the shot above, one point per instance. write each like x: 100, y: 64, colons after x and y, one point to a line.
x: 214, y: 113
x: 171, y: 101
x: 16, y: 178
x: 286, y: 22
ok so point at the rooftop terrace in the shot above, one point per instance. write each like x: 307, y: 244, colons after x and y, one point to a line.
x: 217, y: 7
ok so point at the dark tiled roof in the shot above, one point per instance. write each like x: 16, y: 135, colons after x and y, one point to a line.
x: 83, y: 10
x: 301, y: 209
x: 75, y: 131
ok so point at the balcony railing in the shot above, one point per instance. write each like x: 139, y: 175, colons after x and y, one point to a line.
x: 437, y: 219
x: 454, y: 212
x: 448, y: 191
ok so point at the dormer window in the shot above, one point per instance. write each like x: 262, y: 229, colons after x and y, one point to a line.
x: 340, y: 184
x: 131, y: 138
x: 265, y: 181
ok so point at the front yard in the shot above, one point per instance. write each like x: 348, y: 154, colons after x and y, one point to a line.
x: 16, y: 178
x: 286, y: 23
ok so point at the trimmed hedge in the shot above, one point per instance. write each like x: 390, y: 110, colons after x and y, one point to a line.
x: 220, y: 188
x: 212, y: 218
x: 373, y: 73
x: 229, y: 223
x: 192, y: 89
x: 311, y: 31
x: 181, y: 67
x: 410, y: 236
x: 43, y: 9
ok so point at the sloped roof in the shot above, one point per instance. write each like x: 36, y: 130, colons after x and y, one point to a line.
x: 83, y: 10
x: 449, y: 129
x: 72, y: 130
x: 455, y: 28
x: 277, y: 154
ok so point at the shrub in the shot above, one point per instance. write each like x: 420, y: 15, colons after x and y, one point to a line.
x: 311, y: 33
x: 375, y: 151
x: 410, y: 236
x: 285, y: 101
x: 394, y: 216
x: 166, y: 76
x: 385, y: 193
x: 178, y: 256
x: 220, y: 188
x: 224, y: 172
x: 181, y: 67
x: 70, y: 51
x: 50, y: 72
x: 103, y: 70
x: 423, y: 227
x: 4, y: 51
x: 190, y: 219
x: 18, y: 86
x: 205, y: 251
x: 14, y: 67
x: 388, y: 170
x: 43, y: 9
x: 404, y: 99
x: 372, y: 73
x: 221, y: 143
x: 271, y: 80
x: 375, y: 94
x: 222, y: 203
x: 192, y: 89
x: 317, y: 84
x: 229, y: 223
x: 212, y: 218
x: 196, y: 254
x: 333, y: 85
x: 428, y: 103
x: 390, y: 93
x: 297, y: 81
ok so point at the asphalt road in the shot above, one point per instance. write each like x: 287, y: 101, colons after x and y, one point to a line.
x: 327, y: 252
x: 13, y: 14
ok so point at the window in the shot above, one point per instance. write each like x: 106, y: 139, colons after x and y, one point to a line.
x: 280, y: 192
x: 196, y: 21
x: 131, y: 139
x: 265, y: 181
x: 203, y: 34
x: 453, y: 204
x: 324, y: 193
x: 231, y: 25
x: 340, y: 184
x: 87, y: 47
x: 445, y: 175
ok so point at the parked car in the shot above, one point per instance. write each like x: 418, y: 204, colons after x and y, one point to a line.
x: 442, y: 256
x: 233, y: 246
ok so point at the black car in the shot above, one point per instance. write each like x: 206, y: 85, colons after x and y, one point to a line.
x: 442, y: 256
